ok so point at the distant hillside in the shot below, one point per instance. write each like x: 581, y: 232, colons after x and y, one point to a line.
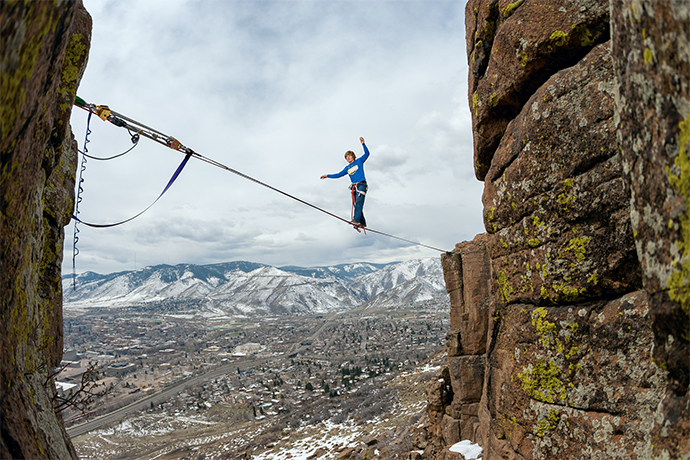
x: 247, y: 288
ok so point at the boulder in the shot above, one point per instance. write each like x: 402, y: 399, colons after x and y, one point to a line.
x: 467, y: 377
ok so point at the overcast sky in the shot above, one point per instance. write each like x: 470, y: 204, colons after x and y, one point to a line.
x: 279, y: 91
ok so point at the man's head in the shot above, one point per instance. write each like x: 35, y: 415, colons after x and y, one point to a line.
x: 350, y: 156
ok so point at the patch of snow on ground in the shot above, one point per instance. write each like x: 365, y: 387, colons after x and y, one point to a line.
x: 429, y: 368
x: 467, y: 449
x: 136, y: 429
x: 328, y: 438
x: 179, y: 418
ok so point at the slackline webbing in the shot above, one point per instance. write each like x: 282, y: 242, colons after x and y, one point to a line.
x: 227, y: 168
x: 170, y: 182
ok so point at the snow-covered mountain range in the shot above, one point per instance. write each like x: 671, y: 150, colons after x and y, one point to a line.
x: 247, y: 288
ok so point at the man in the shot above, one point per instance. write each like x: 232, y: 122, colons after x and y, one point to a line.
x: 355, y: 169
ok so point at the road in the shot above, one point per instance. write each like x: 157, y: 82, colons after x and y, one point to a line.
x: 299, y: 348
x: 159, y: 397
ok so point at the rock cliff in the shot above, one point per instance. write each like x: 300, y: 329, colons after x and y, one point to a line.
x: 43, y: 53
x: 570, y: 317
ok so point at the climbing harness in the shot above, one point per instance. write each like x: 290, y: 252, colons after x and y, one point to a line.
x: 137, y: 129
x: 355, y: 191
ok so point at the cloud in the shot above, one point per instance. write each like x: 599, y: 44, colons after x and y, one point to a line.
x: 278, y: 91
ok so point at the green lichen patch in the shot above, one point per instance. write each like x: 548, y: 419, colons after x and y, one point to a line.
x: 491, y: 22
x: 70, y: 69
x: 490, y: 214
x: 567, y: 292
x: 578, y: 248
x: 586, y: 38
x: 679, y: 178
x: 648, y: 56
x: 544, y: 293
x: 493, y: 100
x: 549, y: 377
x: 510, y: 9
x: 524, y: 58
x: 548, y: 423
x: 559, y: 37
x: 542, y: 382
x: 504, y: 286
x: 543, y: 327
x: 565, y: 199
x: 573, y: 352
x: 527, y: 284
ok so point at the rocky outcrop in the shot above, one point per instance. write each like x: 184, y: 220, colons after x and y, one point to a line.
x: 575, y: 341
x: 513, y: 48
x: 43, y: 53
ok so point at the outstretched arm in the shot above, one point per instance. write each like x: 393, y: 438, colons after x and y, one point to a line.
x: 336, y: 175
x: 366, y: 150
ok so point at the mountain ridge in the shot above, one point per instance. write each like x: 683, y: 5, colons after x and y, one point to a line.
x: 250, y: 288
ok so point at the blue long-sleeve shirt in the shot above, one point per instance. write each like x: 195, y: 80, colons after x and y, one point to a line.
x: 354, y: 169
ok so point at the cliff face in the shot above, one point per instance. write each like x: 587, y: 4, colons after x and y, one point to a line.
x: 43, y: 53
x: 570, y: 317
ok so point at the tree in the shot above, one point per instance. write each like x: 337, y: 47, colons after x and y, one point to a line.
x: 85, y: 394
x: 309, y: 387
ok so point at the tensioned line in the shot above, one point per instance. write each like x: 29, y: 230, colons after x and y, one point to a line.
x: 136, y: 129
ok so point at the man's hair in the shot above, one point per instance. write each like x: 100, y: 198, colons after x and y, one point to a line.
x: 350, y: 152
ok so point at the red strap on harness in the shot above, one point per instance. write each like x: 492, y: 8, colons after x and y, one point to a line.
x: 357, y: 227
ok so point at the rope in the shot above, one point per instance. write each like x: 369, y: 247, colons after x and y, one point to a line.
x: 407, y: 241
x: 75, y: 250
x: 135, y: 141
x: 234, y: 171
x: 105, y: 113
